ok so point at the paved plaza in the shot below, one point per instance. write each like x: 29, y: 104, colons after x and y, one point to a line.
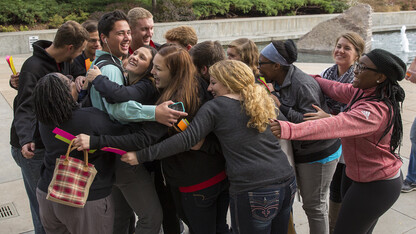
x: 401, y: 218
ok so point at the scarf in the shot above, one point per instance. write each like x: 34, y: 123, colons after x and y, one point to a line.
x: 332, y: 74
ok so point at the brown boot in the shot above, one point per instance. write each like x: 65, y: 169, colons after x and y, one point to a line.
x: 333, y: 215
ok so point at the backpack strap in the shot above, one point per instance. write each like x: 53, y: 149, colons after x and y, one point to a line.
x: 101, y: 61
x: 107, y: 59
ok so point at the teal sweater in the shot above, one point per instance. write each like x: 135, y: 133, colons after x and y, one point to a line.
x: 130, y: 111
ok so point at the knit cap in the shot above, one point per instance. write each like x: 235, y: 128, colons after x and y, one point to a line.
x: 388, y: 64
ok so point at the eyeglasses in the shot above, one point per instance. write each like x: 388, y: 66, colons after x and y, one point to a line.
x: 360, y: 68
x: 261, y: 63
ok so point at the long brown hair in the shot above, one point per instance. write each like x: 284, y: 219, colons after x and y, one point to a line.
x: 184, y: 85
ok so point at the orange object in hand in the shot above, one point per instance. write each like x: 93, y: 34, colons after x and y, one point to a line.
x: 183, y: 124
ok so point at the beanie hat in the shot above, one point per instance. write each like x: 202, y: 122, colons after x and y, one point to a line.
x: 388, y: 64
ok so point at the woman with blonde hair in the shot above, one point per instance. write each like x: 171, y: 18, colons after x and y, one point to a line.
x: 245, y: 50
x: 315, y: 161
x: 196, y: 179
x: 262, y: 182
x: 347, y: 51
x: 371, y: 130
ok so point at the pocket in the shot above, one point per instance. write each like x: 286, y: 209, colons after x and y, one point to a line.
x: 39, y: 155
x: 206, y: 197
x: 264, y: 205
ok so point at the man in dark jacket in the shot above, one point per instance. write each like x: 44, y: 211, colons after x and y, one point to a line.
x: 80, y: 64
x: 27, y: 147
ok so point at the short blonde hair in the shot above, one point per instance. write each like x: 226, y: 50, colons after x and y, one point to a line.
x: 137, y: 13
x: 239, y: 78
x: 185, y: 35
x: 248, y: 52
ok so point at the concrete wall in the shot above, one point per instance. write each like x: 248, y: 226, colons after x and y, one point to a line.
x: 260, y: 29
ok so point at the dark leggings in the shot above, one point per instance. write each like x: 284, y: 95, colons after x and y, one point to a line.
x: 364, y: 203
x: 335, y: 187
x: 339, y: 184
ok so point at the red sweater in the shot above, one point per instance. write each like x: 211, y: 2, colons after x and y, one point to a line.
x: 359, y: 129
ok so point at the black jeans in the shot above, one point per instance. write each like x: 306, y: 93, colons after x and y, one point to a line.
x: 364, y: 203
x: 206, y: 209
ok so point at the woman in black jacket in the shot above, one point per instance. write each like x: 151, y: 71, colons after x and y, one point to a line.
x: 55, y: 106
x: 196, y: 178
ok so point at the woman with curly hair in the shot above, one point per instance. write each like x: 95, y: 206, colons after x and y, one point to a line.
x: 196, y: 179
x: 347, y: 51
x: 55, y: 105
x: 315, y: 161
x: 262, y: 182
x: 371, y: 130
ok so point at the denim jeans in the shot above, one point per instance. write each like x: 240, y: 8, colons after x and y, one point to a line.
x: 206, y: 209
x: 411, y: 173
x: 313, y: 181
x: 263, y: 210
x: 31, y: 173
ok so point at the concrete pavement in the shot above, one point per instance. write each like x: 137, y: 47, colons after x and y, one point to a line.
x: 400, y: 219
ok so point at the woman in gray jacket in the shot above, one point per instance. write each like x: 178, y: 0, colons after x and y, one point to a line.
x: 315, y: 161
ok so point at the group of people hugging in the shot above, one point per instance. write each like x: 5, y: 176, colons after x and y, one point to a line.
x: 260, y: 130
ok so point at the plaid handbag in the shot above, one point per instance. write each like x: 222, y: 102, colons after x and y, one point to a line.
x: 72, y: 179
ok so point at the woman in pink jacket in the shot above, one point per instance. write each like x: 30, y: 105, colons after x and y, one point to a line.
x: 370, y: 129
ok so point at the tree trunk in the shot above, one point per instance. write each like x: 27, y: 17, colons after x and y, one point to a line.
x: 153, y: 6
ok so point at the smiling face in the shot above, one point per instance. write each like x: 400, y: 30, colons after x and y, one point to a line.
x: 118, y: 40
x: 142, y: 32
x: 217, y: 88
x: 71, y: 85
x: 344, y: 53
x: 93, y: 44
x: 139, y: 61
x: 161, y: 72
x: 364, y: 77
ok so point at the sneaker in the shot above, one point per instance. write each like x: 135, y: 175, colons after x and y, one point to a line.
x: 408, y: 186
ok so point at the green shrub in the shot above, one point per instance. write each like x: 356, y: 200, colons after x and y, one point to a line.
x: 56, y: 21
x: 203, y: 8
x: 55, y: 12
x: 9, y: 28
x: 23, y: 28
x: 207, y: 8
x: 174, y: 10
x: 78, y: 17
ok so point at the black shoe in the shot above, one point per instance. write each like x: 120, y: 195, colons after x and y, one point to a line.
x: 408, y: 186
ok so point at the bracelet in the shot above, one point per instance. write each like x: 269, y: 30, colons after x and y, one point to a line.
x: 330, y: 115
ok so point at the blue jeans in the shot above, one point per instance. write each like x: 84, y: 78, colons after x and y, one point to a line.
x: 31, y: 173
x: 263, y: 210
x: 206, y: 209
x: 411, y: 173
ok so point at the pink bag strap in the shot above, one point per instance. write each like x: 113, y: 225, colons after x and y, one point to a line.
x: 70, y: 149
